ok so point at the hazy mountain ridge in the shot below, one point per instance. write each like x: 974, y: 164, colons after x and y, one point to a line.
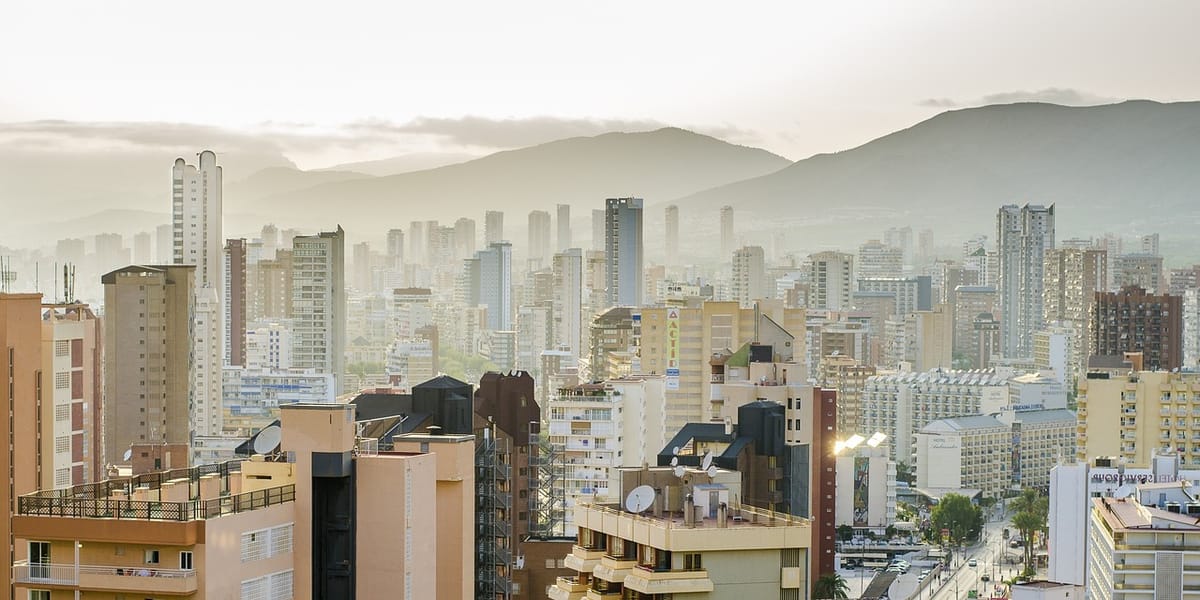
x: 582, y: 171
x: 405, y: 163
x: 1103, y: 166
x: 275, y: 180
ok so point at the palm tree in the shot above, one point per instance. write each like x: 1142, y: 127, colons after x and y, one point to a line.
x: 1026, y: 523
x: 831, y: 586
x: 1032, y: 510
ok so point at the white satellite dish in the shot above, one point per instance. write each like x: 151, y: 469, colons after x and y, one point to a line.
x: 674, y: 461
x: 680, y: 470
x: 128, y: 454
x: 675, y: 451
x: 706, y: 462
x: 267, y: 440
x: 639, y: 499
x: 712, y: 472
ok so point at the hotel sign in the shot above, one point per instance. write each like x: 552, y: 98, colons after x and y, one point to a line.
x: 672, y: 348
x: 1131, y: 478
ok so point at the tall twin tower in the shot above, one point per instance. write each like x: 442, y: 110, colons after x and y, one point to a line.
x: 196, y: 226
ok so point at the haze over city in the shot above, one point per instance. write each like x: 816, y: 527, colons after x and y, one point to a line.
x: 618, y: 301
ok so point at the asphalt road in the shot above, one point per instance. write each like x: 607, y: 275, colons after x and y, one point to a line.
x: 959, y: 578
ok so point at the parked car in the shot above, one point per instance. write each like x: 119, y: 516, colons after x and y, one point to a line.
x: 986, y: 578
x: 972, y: 563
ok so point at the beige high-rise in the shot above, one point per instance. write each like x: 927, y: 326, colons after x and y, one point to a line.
x: 147, y: 348
x: 713, y: 327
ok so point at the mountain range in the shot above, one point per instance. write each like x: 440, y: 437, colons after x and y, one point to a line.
x: 581, y: 171
x: 1132, y: 167
x: 1129, y: 167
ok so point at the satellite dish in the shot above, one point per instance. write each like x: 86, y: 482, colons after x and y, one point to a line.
x: 128, y: 454
x: 680, y: 470
x: 706, y: 462
x: 267, y: 440
x: 639, y: 499
x: 675, y: 451
x: 674, y: 461
x: 712, y: 472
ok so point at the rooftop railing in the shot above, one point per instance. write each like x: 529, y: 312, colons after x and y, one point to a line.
x: 107, y: 508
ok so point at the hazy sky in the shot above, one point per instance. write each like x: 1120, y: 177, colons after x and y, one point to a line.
x: 794, y: 77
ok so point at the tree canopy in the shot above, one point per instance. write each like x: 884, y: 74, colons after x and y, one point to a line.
x: 959, y: 516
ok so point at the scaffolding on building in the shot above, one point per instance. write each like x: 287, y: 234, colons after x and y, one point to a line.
x: 547, y: 488
x: 493, y: 518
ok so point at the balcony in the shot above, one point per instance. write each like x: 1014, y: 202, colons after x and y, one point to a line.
x: 133, y: 580
x: 668, y: 582
x: 567, y: 588
x: 614, y: 569
x: 583, y: 560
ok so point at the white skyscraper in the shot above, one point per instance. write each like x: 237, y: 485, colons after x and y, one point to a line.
x: 672, y: 235
x: 726, y: 231
x: 831, y: 277
x: 319, y: 303
x: 749, y: 275
x: 564, y: 227
x: 568, y: 299
x: 206, y: 356
x: 196, y: 225
x: 164, y: 248
x: 623, y: 251
x: 464, y: 238
x: 539, y: 238
x: 1023, y: 234
x: 493, y: 227
x: 598, y: 229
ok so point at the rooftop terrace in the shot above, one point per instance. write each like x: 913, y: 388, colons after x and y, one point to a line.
x: 196, y: 493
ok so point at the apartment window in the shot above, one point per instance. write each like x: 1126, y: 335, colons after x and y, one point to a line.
x: 152, y: 557
x: 691, y: 562
x: 62, y: 381
x: 62, y: 348
x: 39, y: 594
x: 185, y: 561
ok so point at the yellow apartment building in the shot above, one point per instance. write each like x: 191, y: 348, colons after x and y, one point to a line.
x: 1130, y: 415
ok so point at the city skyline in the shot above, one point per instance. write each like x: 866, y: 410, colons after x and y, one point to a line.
x: 791, y: 299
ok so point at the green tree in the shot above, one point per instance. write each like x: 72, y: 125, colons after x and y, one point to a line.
x: 845, y: 532
x: 890, y: 532
x: 957, y: 514
x: 831, y: 586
